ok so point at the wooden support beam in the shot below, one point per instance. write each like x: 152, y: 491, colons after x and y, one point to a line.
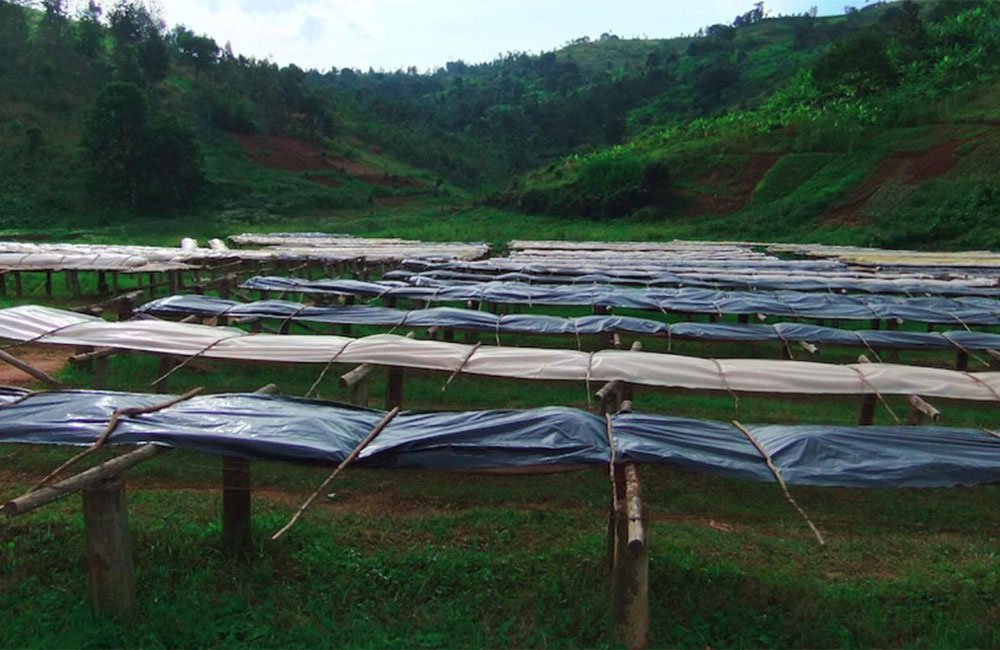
x: 808, y: 347
x: 994, y: 356
x: 962, y: 360
x: 610, y: 395
x: 919, y: 409
x: 48, y: 284
x: 18, y: 287
x: 86, y: 479
x: 110, y: 576
x: 92, y: 355
x: 630, y: 572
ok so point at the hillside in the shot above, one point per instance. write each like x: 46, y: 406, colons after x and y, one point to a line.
x: 897, y: 148
x: 878, y: 126
x: 261, y: 144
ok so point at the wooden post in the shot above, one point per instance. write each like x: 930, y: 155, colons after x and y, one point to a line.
x: 18, y: 288
x: 110, y: 576
x: 962, y: 360
x: 101, y: 364
x: 893, y: 325
x: 126, y: 308
x: 166, y: 365
x: 630, y: 574
x: 236, y: 510
x: 346, y: 328
x: 3, y: 285
x: 867, y: 415
x: 359, y: 392
x: 102, y: 283
x: 48, y: 284
x: 74, y: 283
x: 394, y: 388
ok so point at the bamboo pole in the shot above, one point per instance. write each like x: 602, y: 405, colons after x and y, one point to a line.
x: 347, y: 461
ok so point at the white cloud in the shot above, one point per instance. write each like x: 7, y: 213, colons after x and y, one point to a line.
x: 391, y: 34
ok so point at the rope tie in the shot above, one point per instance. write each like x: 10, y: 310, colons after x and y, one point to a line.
x: 784, y: 340
x: 327, y: 367
x: 982, y: 383
x: 865, y: 382
x: 725, y: 384
x: 961, y: 348
x: 41, y: 336
x: 867, y: 345
x: 781, y: 481
x: 590, y: 364
x: 196, y: 356
x: 461, y: 366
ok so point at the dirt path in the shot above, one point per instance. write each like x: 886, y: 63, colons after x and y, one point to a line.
x: 47, y: 359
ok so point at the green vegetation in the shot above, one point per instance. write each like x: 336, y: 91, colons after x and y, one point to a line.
x: 875, y: 127
x: 440, y: 559
x: 443, y: 560
x: 885, y: 139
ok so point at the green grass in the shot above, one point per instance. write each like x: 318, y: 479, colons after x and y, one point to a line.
x: 445, y: 560
x: 436, y: 559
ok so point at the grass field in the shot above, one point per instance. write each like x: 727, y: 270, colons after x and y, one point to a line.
x: 444, y: 559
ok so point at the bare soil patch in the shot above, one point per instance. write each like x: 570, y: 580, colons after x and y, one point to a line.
x: 294, y: 155
x: 47, y: 359
x: 901, y: 168
x: 734, y: 187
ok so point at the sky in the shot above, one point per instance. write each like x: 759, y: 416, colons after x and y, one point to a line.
x: 393, y: 34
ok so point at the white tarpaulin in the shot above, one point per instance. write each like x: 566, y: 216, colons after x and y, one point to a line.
x: 46, y: 325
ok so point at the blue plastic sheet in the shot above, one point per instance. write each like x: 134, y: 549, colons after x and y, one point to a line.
x: 959, y: 312
x: 298, y: 430
x: 743, y: 281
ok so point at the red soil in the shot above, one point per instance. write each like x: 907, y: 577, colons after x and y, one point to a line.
x: 294, y: 155
x: 47, y: 359
x: 906, y: 167
x: 734, y: 187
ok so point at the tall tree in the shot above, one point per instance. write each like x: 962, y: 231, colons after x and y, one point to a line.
x: 112, y: 141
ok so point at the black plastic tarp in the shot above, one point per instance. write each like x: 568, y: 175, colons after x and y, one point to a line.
x: 447, y: 317
x: 787, y: 304
x: 297, y: 430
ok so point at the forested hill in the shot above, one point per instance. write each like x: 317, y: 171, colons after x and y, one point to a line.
x: 758, y: 126
x: 891, y: 130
